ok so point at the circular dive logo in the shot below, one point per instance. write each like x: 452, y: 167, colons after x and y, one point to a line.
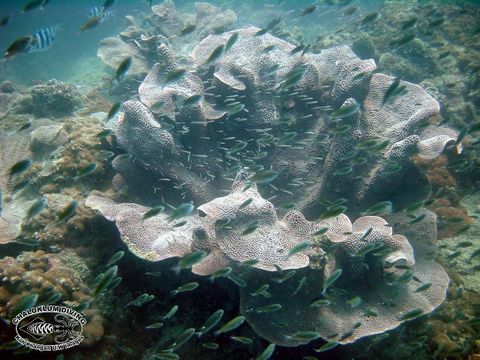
x: 49, y: 327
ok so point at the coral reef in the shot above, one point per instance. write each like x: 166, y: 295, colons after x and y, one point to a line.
x: 142, y: 42
x: 372, y: 278
x: 458, y: 248
x: 13, y: 149
x: 302, y: 141
x: 225, y: 245
x: 113, y: 50
x: 58, y: 151
x: 53, y: 99
x: 208, y: 19
x: 452, y: 216
x: 7, y: 87
x: 441, y: 55
x: 452, y: 329
x: 320, y: 185
x: 47, y: 138
x: 46, y: 275
x: 48, y: 231
x: 339, y: 115
x: 8, y: 94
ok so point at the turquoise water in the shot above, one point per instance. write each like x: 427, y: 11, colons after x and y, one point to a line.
x: 66, y: 59
x: 240, y: 180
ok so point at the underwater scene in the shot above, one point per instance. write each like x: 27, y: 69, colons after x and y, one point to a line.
x: 238, y: 180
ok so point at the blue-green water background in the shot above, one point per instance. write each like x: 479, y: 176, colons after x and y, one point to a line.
x: 73, y: 56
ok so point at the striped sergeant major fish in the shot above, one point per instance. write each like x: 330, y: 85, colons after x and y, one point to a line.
x: 43, y: 39
x: 100, y: 12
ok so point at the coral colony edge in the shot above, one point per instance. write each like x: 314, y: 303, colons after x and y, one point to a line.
x: 243, y: 181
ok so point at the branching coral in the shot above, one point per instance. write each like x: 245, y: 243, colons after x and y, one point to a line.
x: 331, y: 135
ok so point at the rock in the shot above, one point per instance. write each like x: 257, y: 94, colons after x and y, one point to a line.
x: 55, y: 99
x: 46, y: 139
x: 364, y: 47
x: 7, y: 87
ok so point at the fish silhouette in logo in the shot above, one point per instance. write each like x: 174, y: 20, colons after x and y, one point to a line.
x: 38, y: 328
x: 64, y: 330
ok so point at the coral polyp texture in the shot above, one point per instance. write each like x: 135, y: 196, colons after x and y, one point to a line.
x: 279, y: 149
x: 141, y: 42
x: 376, y: 291
x: 389, y: 280
x: 221, y: 228
x: 259, y: 108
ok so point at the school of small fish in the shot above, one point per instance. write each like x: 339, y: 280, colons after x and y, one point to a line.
x: 225, y: 327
